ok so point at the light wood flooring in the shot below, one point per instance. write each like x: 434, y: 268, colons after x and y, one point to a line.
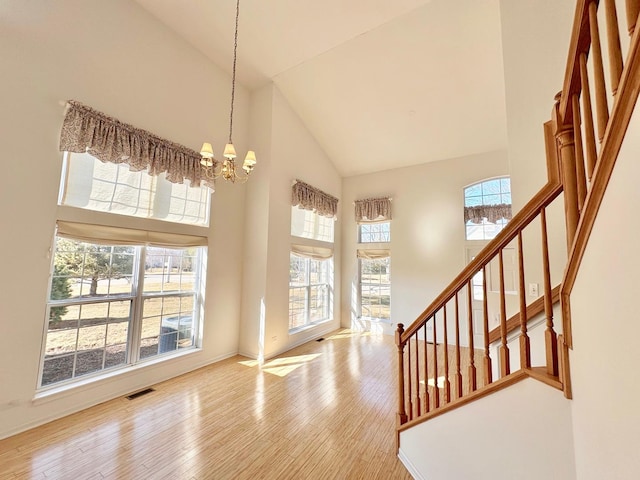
x: 325, y: 410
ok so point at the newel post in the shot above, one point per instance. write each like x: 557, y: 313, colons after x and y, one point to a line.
x: 563, y: 131
x: 402, y: 415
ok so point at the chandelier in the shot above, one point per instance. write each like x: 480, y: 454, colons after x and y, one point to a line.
x: 227, y: 169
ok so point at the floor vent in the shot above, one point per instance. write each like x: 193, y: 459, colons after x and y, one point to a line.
x: 140, y: 393
x: 320, y: 339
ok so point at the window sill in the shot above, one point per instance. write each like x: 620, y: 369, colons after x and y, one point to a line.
x: 51, y: 393
x: 295, y: 331
x: 376, y: 320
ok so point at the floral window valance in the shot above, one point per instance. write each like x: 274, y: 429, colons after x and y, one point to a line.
x: 310, y: 198
x: 109, y: 140
x: 492, y: 213
x: 373, y: 210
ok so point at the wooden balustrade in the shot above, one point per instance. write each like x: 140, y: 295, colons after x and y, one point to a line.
x: 578, y: 166
x: 425, y: 351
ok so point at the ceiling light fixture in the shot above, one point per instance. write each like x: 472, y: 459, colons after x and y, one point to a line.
x: 227, y: 169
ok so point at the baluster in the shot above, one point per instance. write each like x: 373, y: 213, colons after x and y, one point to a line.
x: 525, y: 348
x: 436, y: 390
x: 633, y: 8
x: 402, y: 414
x: 458, y: 376
x: 589, y: 129
x: 447, y: 383
x: 472, y: 363
x: 602, y: 110
x: 505, y: 368
x: 488, y: 375
x: 426, y: 372
x: 565, y: 374
x: 613, y: 41
x: 566, y: 152
x: 410, y: 404
x: 416, y: 400
x: 581, y: 180
x: 550, y: 339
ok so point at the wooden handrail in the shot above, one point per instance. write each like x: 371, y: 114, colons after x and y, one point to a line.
x: 626, y: 99
x: 524, y: 217
x: 580, y: 41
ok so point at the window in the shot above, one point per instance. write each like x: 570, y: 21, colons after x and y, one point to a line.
x: 119, y: 295
x: 112, y: 187
x: 487, y: 208
x: 308, y: 224
x: 375, y: 288
x: 374, y: 232
x: 310, y: 290
x: 116, y: 305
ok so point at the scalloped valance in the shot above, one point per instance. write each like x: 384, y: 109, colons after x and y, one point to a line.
x: 492, y: 213
x: 373, y: 210
x: 310, y: 198
x: 85, y: 130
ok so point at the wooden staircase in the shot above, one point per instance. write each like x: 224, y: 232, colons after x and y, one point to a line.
x: 583, y: 138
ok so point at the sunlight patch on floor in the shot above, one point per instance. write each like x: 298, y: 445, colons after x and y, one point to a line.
x: 282, y: 366
x: 349, y: 334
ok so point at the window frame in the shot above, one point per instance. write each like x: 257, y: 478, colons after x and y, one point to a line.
x: 157, y: 188
x: 361, y: 262
x: 326, y: 286
x: 496, y: 227
x: 318, y: 224
x: 136, y: 297
x: 375, y: 226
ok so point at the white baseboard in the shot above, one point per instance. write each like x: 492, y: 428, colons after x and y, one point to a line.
x: 409, y: 466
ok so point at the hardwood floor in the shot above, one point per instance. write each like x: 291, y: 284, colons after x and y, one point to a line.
x: 325, y: 410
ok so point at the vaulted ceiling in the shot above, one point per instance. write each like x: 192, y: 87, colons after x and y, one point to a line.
x: 380, y: 84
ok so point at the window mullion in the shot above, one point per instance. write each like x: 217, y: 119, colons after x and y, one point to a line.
x: 307, y: 282
x: 133, y: 353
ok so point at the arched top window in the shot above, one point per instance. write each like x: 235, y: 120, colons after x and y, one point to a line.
x: 487, y: 208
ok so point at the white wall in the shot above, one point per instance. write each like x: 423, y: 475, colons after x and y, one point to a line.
x: 522, y: 432
x: 427, y: 230
x: 604, y: 305
x: 116, y: 58
x: 293, y: 154
x: 535, y: 43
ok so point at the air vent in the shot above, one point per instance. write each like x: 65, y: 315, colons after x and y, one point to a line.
x: 140, y: 393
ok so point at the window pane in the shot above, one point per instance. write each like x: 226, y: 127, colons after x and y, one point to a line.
x: 167, y: 324
x: 297, y: 307
x: 169, y: 270
x: 375, y: 232
x: 113, y: 188
x: 307, y: 224
x: 490, y: 192
x: 375, y: 288
x: 87, y: 338
x: 91, y: 306
x: 310, y: 283
x: 490, y: 187
x: 473, y: 190
x: 87, y: 269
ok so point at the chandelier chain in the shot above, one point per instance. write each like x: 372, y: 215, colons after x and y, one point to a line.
x: 233, y: 74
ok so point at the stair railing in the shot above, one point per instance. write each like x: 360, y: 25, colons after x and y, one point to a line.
x: 593, y: 136
x: 440, y: 367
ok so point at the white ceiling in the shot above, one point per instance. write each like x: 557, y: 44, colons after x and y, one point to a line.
x: 380, y: 84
